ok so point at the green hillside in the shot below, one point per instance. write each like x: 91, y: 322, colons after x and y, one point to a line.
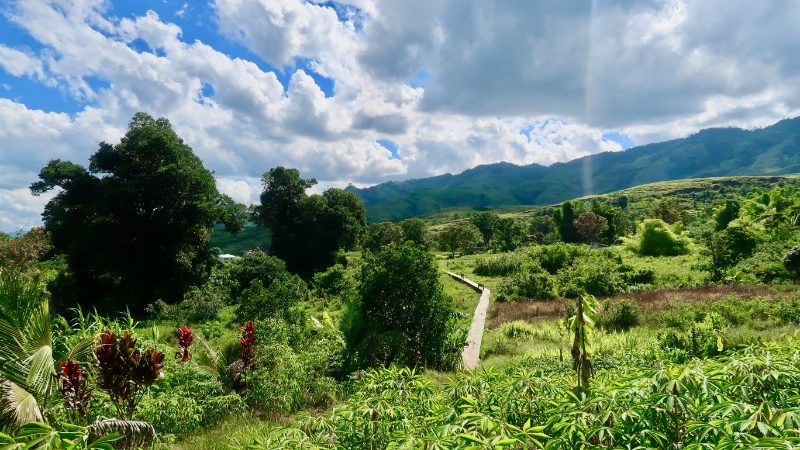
x: 250, y: 238
x: 774, y: 150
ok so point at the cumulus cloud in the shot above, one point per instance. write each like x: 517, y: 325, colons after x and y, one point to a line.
x: 453, y: 83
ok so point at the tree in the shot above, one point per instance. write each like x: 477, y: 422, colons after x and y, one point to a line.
x: 792, y: 262
x: 253, y: 266
x: 669, y: 210
x: 543, y: 230
x: 307, y: 231
x: 564, y: 218
x: 381, y: 234
x: 590, y: 226
x: 135, y: 227
x: 408, y: 317
x: 727, y: 214
x: 459, y: 236
x: 509, y: 234
x: 416, y: 231
x: 485, y: 223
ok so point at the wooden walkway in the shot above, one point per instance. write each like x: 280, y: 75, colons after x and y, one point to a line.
x: 472, y: 351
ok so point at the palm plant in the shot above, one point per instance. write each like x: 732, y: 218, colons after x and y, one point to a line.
x: 29, y: 348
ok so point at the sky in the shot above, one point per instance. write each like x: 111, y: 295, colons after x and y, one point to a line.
x: 366, y: 91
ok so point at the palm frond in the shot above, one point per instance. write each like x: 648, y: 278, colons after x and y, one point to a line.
x: 136, y: 434
x: 21, y: 404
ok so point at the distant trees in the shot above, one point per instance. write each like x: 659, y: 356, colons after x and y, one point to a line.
x: 509, y: 234
x: 564, y: 218
x: 459, y: 237
x: 416, y: 231
x: 669, y: 210
x: 307, y: 231
x: 381, y: 234
x: 543, y: 230
x: 485, y: 223
x: 135, y: 226
x: 726, y: 214
x: 590, y: 226
x: 404, y: 315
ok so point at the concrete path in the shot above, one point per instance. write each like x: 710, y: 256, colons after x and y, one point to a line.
x: 472, y: 352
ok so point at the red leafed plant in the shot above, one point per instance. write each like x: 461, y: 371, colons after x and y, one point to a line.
x: 124, y: 371
x: 73, y: 387
x: 248, y: 342
x: 185, y: 339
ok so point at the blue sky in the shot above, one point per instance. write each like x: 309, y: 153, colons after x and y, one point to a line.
x: 365, y: 91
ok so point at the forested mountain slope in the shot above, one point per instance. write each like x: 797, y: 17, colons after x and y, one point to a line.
x: 773, y: 150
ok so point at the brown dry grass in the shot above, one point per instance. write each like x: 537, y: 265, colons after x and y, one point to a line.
x: 503, y: 312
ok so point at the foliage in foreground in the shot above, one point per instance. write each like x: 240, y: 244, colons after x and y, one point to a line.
x: 743, y: 401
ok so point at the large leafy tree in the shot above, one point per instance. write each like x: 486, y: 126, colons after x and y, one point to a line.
x: 135, y: 226
x: 307, y: 231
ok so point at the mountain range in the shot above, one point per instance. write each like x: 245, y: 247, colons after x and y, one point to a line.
x: 713, y: 152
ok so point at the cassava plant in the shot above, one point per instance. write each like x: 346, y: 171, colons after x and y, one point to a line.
x: 580, y: 325
x: 185, y: 339
x: 124, y: 371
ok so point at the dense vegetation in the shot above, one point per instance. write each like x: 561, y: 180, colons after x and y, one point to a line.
x: 662, y: 316
x: 773, y: 150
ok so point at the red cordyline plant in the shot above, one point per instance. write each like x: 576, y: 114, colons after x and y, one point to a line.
x: 185, y: 339
x: 248, y: 342
x: 124, y: 371
x: 73, y: 387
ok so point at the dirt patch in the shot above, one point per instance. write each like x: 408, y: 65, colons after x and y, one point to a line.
x: 503, y: 312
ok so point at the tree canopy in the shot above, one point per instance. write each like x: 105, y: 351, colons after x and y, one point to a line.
x: 307, y: 231
x: 135, y: 225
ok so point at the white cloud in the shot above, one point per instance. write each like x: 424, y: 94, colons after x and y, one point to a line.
x: 516, y: 81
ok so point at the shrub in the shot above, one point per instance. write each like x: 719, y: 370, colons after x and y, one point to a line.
x: 792, y: 261
x: 285, y: 380
x: 281, y: 299
x: 622, y: 315
x: 633, y: 276
x: 555, y: 257
x: 517, y: 329
x: 74, y: 391
x: 401, y: 295
x: 186, y: 400
x: 334, y: 282
x: 529, y: 283
x: 765, y: 265
x: 253, y: 266
x: 656, y: 238
x: 498, y: 267
x: 595, y: 274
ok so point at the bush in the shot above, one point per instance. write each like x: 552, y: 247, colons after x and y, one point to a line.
x: 792, y: 261
x: 555, y: 257
x: 656, y: 238
x: 281, y: 299
x: 285, y: 380
x: 402, y: 298
x: 595, y: 274
x: 622, y: 315
x: 498, y: 267
x: 187, y: 400
x: 517, y: 329
x: 199, y: 304
x: 633, y: 276
x: 765, y: 265
x: 529, y: 283
x: 253, y: 266
x: 334, y: 282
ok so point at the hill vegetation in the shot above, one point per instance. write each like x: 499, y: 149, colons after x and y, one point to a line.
x: 774, y: 150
